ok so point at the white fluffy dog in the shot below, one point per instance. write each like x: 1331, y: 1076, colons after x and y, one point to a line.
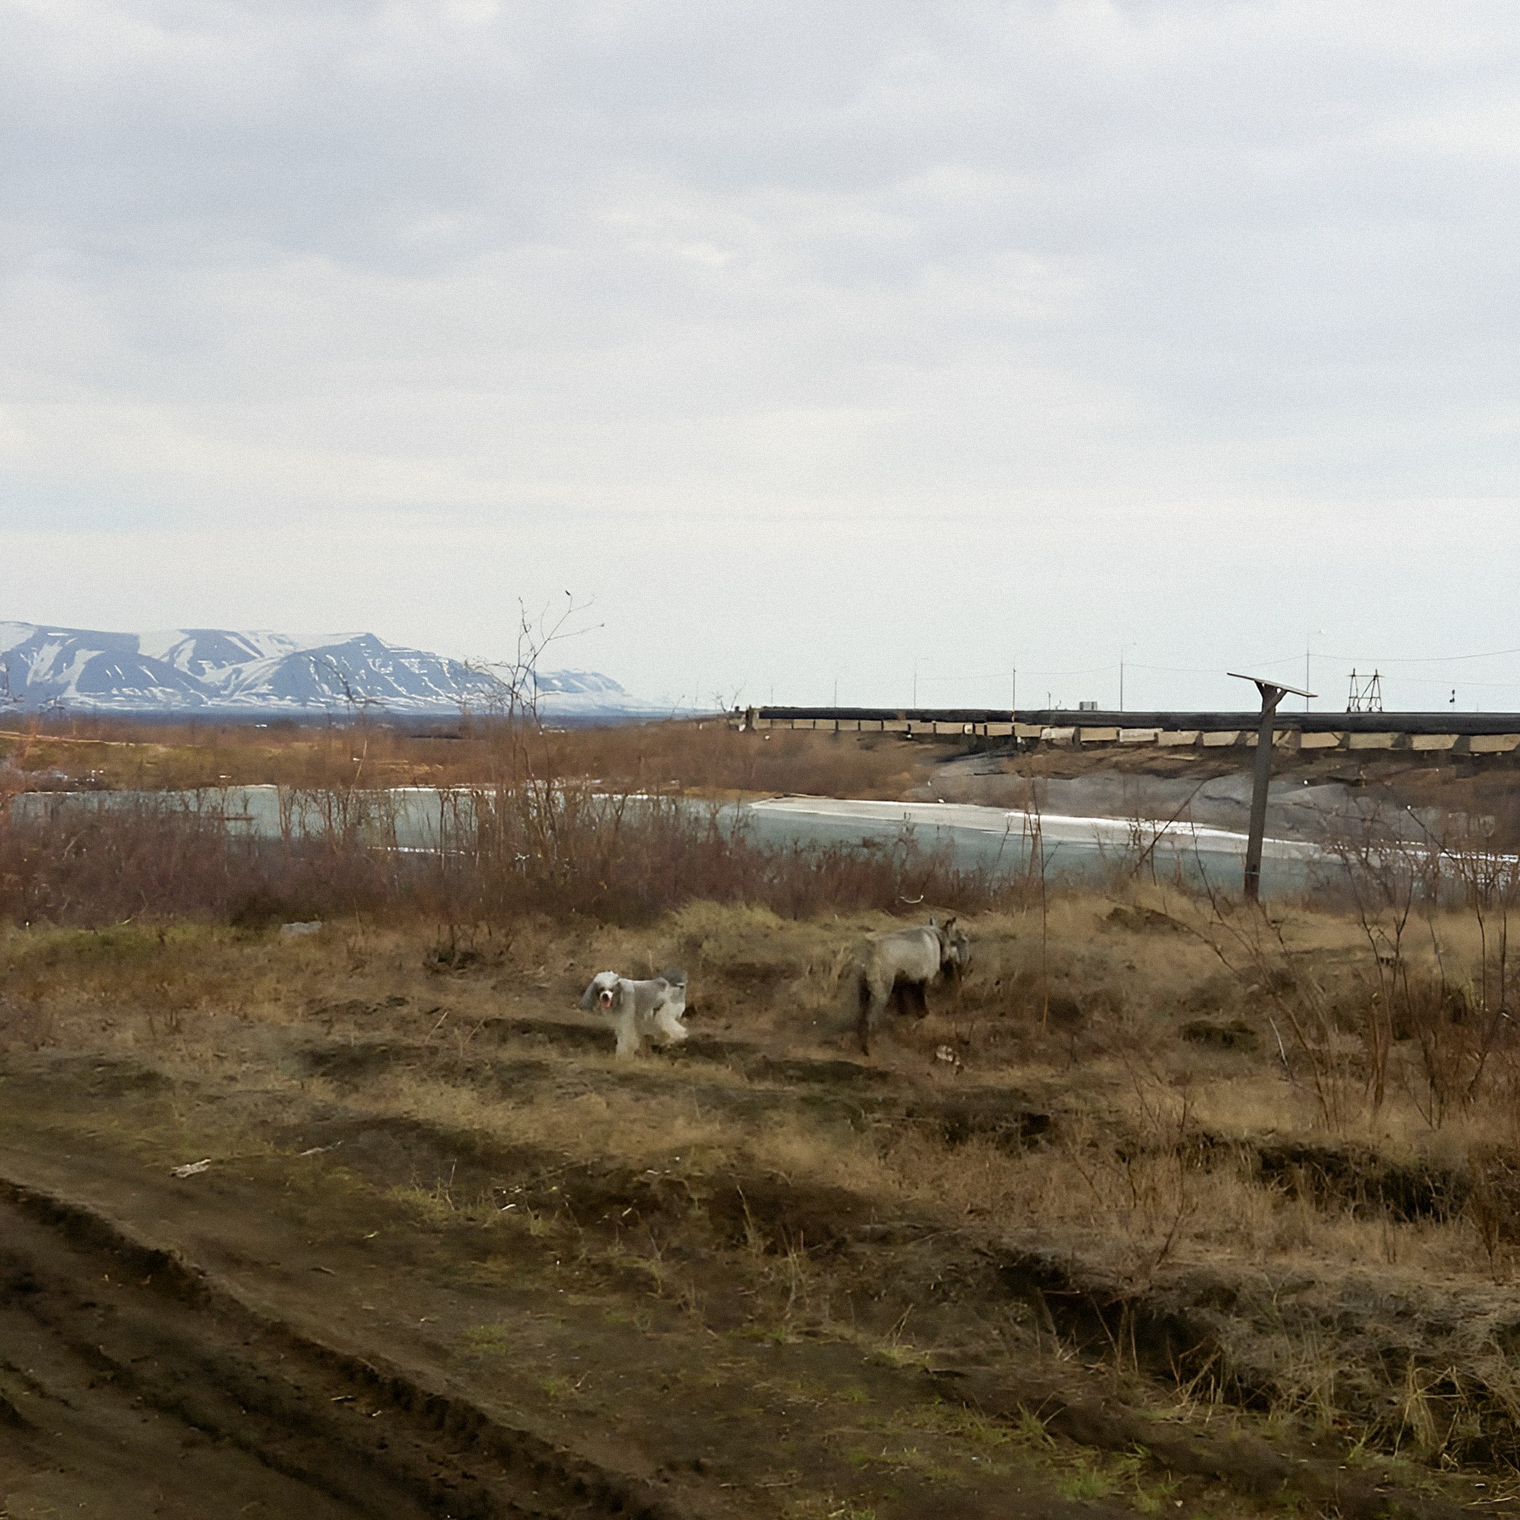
x: 637, y: 1009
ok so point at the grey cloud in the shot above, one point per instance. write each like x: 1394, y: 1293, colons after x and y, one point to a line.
x: 735, y: 264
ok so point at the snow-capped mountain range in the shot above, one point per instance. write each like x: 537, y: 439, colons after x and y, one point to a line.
x: 221, y: 670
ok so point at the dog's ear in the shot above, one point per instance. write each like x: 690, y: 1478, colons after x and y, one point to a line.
x: 949, y: 923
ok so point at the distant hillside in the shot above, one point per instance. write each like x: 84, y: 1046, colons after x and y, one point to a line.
x: 227, y: 671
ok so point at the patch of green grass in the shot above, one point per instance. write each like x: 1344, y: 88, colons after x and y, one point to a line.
x: 1154, y: 1497
x: 970, y: 1442
x: 486, y: 1339
x: 1030, y: 1430
x: 1148, y: 1492
x: 427, y: 1205
x: 963, y: 1424
x: 1085, y: 1477
x: 110, y: 946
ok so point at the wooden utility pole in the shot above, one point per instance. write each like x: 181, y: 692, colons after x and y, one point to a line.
x: 1271, y: 694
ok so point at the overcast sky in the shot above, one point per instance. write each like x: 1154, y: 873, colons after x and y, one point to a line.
x: 808, y: 342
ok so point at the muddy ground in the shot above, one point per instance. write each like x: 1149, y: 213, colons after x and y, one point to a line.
x: 412, y: 1279
x: 370, y: 1317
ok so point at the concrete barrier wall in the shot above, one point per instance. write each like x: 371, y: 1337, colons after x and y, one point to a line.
x: 1100, y: 735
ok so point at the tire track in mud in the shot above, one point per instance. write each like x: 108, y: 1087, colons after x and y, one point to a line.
x: 156, y: 1336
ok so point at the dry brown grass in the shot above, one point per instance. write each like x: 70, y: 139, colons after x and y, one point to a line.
x: 1189, y: 1124
x: 1141, y: 1158
x: 695, y: 756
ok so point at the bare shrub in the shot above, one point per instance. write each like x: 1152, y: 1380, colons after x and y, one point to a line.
x: 1253, y: 945
x: 109, y: 861
x: 1435, y: 916
x: 537, y: 846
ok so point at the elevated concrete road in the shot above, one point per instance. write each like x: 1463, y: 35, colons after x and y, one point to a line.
x: 1449, y: 722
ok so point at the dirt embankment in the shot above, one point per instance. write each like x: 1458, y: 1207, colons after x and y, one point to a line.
x: 1319, y: 799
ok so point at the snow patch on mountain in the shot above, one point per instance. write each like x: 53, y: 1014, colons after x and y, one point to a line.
x: 250, y: 672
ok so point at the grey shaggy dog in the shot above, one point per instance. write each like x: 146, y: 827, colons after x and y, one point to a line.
x: 903, y: 963
x: 640, y: 1009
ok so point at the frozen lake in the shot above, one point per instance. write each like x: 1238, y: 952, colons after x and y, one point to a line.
x: 973, y: 836
x: 1007, y: 839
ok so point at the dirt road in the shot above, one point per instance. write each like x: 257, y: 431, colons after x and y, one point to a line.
x: 133, y: 1383
x: 288, y: 1331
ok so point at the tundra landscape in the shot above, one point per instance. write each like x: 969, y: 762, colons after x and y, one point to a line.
x: 320, y: 1188
x: 759, y: 762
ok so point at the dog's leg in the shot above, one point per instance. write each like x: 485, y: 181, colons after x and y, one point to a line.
x: 669, y: 1021
x: 627, y: 1030
x: 873, y: 1003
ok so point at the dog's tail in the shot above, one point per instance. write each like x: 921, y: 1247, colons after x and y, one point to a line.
x: 674, y: 975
